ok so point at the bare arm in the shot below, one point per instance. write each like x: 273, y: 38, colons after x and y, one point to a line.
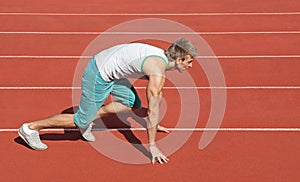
x: 156, y: 73
x: 154, y: 95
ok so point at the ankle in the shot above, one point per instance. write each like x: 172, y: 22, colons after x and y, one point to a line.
x: 27, y: 130
x: 32, y: 126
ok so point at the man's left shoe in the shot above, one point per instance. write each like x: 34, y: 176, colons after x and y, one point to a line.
x: 87, y: 133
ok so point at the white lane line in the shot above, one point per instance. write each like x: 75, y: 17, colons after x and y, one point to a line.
x: 154, y: 33
x: 167, y: 88
x: 249, y: 57
x: 199, y: 57
x: 46, y: 57
x: 149, y: 14
x: 176, y: 129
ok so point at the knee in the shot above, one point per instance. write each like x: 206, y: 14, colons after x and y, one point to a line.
x: 137, y: 103
x: 82, y: 122
x: 134, y: 101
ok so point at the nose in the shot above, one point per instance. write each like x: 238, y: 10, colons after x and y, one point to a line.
x: 190, y: 65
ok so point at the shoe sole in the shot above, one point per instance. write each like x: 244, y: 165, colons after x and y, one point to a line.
x: 20, y: 132
x: 89, y: 139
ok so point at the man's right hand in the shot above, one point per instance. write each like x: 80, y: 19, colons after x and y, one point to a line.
x: 157, y: 155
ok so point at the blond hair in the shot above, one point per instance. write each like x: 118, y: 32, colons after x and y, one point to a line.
x: 180, y: 49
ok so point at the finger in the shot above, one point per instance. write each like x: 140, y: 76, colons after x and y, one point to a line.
x: 153, y: 160
x: 166, y: 130
x: 159, y: 160
x: 165, y: 159
x: 162, y: 129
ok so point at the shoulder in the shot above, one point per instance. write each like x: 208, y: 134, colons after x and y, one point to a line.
x: 154, y: 64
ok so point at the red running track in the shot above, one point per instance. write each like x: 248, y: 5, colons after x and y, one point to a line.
x: 263, y: 90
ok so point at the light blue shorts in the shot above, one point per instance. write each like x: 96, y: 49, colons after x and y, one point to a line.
x: 95, y: 91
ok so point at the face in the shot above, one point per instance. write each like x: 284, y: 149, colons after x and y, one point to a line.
x: 182, y: 65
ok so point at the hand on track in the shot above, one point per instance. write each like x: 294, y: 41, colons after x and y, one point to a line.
x: 157, y: 155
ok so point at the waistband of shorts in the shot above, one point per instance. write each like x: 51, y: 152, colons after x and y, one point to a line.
x: 95, y: 69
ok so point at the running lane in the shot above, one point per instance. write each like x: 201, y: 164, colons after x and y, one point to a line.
x: 243, y: 34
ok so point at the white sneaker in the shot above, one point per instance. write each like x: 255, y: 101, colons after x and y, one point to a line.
x: 87, y: 133
x: 33, y: 139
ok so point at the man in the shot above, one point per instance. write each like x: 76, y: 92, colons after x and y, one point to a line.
x: 106, y: 74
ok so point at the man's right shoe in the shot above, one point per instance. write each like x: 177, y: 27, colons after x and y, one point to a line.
x: 33, y: 139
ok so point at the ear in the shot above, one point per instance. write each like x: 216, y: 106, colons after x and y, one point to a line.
x: 178, y: 60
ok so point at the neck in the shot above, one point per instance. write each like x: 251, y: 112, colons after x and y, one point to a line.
x: 171, y: 66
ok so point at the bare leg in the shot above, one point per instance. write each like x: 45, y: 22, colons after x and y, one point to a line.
x: 56, y: 121
x: 29, y: 132
x: 67, y: 121
x: 112, y: 108
x: 116, y: 107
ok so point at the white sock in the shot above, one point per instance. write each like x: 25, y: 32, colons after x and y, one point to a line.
x: 27, y: 130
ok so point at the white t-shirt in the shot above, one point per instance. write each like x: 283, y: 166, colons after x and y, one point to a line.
x: 126, y: 60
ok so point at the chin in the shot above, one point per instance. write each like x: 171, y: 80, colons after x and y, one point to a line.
x: 181, y: 70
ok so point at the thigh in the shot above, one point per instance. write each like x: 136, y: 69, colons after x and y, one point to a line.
x: 125, y: 93
x: 94, y: 92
